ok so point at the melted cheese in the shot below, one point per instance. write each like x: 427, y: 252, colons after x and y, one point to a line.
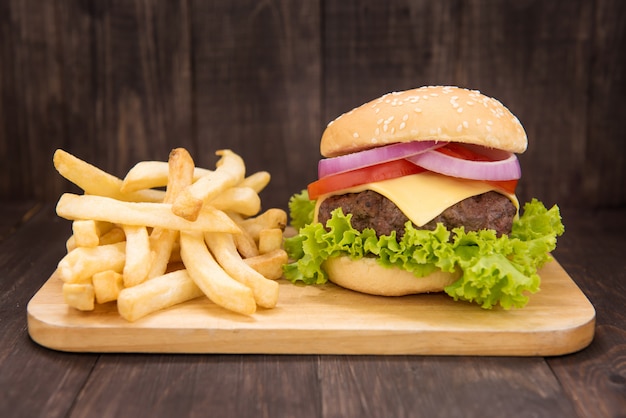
x: 421, y: 197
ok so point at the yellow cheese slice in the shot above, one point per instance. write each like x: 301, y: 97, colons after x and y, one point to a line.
x: 421, y: 197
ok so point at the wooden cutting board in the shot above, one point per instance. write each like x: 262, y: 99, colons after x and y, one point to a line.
x: 329, y: 320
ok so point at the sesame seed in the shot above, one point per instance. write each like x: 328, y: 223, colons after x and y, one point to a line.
x: 489, y: 122
x: 459, y: 128
x: 356, y: 134
x: 405, y: 117
x: 478, y: 121
x: 418, y: 110
x: 488, y: 128
x: 460, y: 109
x: 465, y: 124
x: 402, y: 125
x: 455, y: 104
x: 377, y: 131
x: 393, y: 130
x: 377, y: 110
x: 469, y: 103
x: 379, y: 121
x: 385, y: 127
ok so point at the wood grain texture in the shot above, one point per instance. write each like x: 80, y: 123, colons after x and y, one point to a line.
x: 591, y: 382
x: 328, y: 320
x: 128, y: 80
x: 257, y: 88
x: 440, y: 386
x: 605, y: 163
x: 15, y: 214
x: 51, y: 379
x: 373, y: 47
x: 592, y: 251
x: 31, y: 97
x: 116, y: 82
x: 194, y: 386
x: 534, y: 57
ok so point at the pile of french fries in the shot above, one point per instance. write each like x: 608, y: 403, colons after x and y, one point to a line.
x: 167, y: 233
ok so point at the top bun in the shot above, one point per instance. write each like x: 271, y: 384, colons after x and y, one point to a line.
x: 440, y: 113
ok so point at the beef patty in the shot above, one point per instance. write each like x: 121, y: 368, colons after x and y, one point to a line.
x: 370, y: 209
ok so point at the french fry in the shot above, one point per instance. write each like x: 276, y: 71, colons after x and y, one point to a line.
x: 72, y: 207
x: 243, y: 200
x: 161, y: 242
x: 107, y: 285
x: 70, y: 244
x: 245, y: 244
x: 152, y: 174
x: 256, y: 181
x: 270, y: 264
x: 138, y: 255
x: 114, y: 236
x: 270, y: 239
x: 87, y: 232
x: 79, y: 295
x: 229, y: 172
x: 97, y: 182
x: 105, y: 232
x: 222, y: 289
x: 156, y: 294
x: 223, y: 248
x: 271, y: 218
x: 180, y: 175
x: 151, y: 249
x: 81, y: 264
x: 175, y: 254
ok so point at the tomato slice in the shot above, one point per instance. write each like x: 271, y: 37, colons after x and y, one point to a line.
x: 373, y: 173
x: 508, y: 186
x: 458, y: 151
x: 397, y: 168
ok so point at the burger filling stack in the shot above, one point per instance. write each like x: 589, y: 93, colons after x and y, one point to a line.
x: 416, y: 194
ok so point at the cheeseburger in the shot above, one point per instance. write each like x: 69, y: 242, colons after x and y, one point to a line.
x: 416, y: 195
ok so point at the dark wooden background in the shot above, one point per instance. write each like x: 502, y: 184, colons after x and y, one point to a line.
x: 118, y: 81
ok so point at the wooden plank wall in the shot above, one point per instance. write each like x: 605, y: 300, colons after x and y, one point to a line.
x: 118, y: 81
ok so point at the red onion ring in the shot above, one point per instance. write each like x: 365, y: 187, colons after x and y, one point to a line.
x: 507, y: 168
x: 366, y: 158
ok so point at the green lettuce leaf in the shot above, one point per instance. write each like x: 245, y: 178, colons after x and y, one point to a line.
x: 495, y: 270
x: 301, y: 209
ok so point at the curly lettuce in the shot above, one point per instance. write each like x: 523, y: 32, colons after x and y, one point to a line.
x: 494, y: 270
x: 301, y: 209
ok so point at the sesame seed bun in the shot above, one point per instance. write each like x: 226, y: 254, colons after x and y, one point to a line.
x: 442, y: 113
x: 365, y: 275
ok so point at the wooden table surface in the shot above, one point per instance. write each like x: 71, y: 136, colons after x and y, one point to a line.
x: 36, y: 381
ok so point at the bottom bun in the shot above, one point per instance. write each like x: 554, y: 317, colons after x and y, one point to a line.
x: 367, y: 276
